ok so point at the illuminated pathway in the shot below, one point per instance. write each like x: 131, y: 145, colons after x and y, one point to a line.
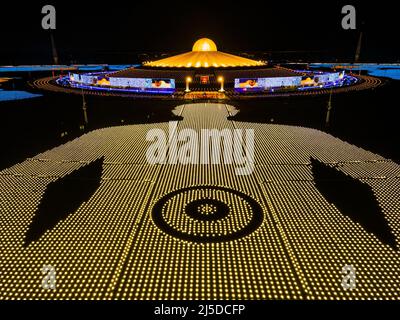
x: 148, y: 231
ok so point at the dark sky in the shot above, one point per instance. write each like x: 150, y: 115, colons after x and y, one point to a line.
x: 119, y: 29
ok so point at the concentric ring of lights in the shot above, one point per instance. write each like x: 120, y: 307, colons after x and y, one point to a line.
x: 207, y: 214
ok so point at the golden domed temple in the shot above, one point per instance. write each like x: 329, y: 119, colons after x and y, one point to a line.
x: 204, y: 54
x: 204, y: 67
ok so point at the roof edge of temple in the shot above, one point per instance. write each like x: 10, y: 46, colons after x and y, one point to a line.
x: 204, y: 54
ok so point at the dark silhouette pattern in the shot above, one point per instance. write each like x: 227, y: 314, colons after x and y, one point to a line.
x: 63, y: 197
x: 354, y: 199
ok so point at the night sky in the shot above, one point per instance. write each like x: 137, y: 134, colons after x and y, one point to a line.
x: 117, y: 32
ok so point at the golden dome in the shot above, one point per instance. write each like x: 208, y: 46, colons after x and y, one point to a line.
x: 204, y: 54
x: 204, y: 44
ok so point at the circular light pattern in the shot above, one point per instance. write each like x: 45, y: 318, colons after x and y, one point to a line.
x: 363, y: 83
x: 207, y: 209
x: 207, y: 214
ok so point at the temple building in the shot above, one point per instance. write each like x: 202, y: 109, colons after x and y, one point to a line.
x: 205, y: 69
